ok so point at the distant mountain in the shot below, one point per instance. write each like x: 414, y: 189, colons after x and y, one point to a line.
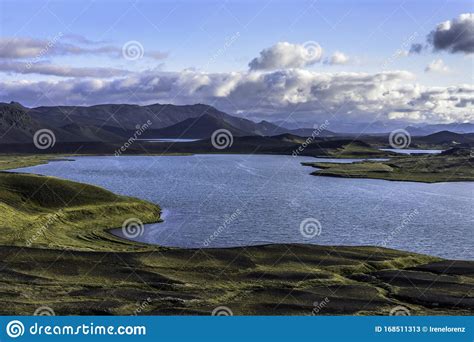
x: 92, y: 133
x: 112, y: 123
x: 18, y: 126
x: 446, y: 138
x: 430, y: 129
x: 15, y: 123
x: 382, y: 127
x: 308, y: 132
x: 127, y: 117
x: 290, y: 138
x: 201, y: 127
x: 364, y: 128
x: 458, y: 151
x: 289, y: 124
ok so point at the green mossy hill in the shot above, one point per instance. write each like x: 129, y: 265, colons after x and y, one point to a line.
x: 259, y: 280
x: 359, y: 149
x: 48, y: 212
x: 451, y: 166
x: 8, y: 162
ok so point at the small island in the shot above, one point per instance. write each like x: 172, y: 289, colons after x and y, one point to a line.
x: 453, y: 165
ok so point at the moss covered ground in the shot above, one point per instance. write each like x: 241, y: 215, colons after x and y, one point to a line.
x: 55, y: 251
x: 421, y: 168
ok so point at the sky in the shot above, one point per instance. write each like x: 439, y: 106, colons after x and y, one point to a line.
x: 351, y: 61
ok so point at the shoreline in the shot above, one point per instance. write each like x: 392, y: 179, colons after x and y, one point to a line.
x: 106, y: 233
x: 78, y: 263
x: 452, y: 166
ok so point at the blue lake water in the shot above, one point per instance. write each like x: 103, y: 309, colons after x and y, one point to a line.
x: 240, y: 200
x: 170, y: 140
x: 411, y: 151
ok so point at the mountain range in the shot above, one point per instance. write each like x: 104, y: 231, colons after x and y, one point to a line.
x: 381, y: 127
x: 113, y: 122
x: 117, y: 122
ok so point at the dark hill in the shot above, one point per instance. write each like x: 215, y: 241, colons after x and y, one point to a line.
x: 16, y: 125
x: 126, y: 116
x: 201, y: 127
x: 446, y: 138
x: 92, y: 133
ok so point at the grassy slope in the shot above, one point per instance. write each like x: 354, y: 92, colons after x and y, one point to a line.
x: 77, y: 268
x: 8, y: 162
x: 53, y: 213
x: 356, y: 151
x: 429, y: 169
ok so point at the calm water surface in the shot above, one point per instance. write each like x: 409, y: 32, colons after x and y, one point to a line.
x: 411, y: 151
x: 240, y: 200
x: 169, y: 140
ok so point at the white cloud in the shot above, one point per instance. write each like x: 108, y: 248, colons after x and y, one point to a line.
x: 410, y: 115
x: 437, y: 66
x: 286, y: 55
x: 21, y: 48
x: 60, y: 70
x: 337, y: 58
x: 313, y: 95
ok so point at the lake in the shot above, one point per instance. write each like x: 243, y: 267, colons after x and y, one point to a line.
x: 241, y: 200
x: 411, y: 151
x: 169, y: 140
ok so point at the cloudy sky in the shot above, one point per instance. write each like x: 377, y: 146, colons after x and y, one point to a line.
x: 352, y: 61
